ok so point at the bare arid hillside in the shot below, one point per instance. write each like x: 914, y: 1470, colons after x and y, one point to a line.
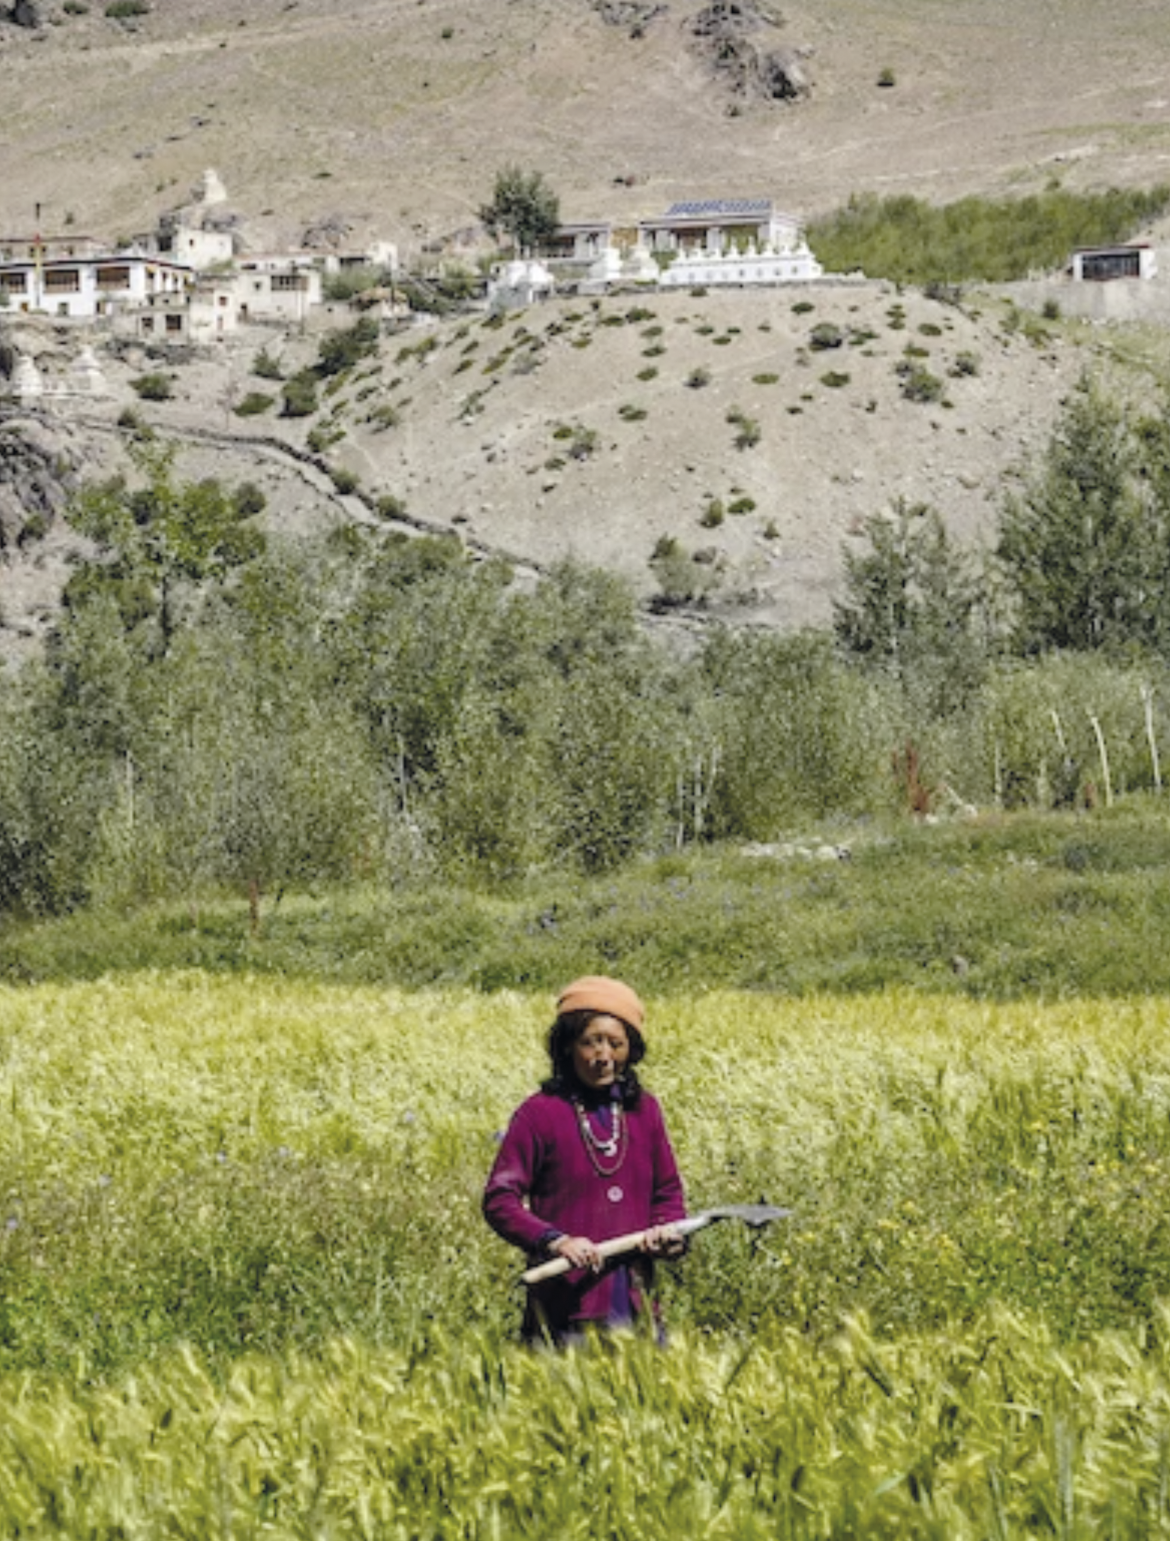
x: 598, y: 429
x: 591, y: 429
x: 397, y: 112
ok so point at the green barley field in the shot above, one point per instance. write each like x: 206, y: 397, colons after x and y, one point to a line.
x: 247, y: 1291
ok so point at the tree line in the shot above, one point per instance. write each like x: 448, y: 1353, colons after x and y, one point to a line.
x: 217, y: 708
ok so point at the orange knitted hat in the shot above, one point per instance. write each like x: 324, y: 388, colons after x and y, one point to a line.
x: 608, y: 997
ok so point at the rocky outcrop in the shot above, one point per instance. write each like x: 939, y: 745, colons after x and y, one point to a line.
x: 329, y: 233
x: 38, y: 475
x: 28, y: 13
x: 733, y: 36
x: 634, y: 15
x: 782, y: 75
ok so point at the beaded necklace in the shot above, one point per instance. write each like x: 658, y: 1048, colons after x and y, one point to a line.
x: 603, y: 1150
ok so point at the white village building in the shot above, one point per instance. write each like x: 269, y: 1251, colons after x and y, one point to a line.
x: 1103, y: 264
x: 717, y: 225
x: 186, y: 281
x: 709, y: 241
x: 78, y: 281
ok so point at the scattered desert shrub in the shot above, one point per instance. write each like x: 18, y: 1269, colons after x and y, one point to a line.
x: 323, y: 437
x: 299, y: 396
x: 153, y: 387
x: 253, y: 404
x: 917, y: 382
x: 267, y: 367
x: 384, y: 415
x: 826, y: 334
x: 748, y: 431
x: 131, y: 419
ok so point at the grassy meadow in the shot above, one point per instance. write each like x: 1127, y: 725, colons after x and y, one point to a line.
x: 248, y: 1292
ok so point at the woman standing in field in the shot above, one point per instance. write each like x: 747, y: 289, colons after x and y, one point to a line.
x: 585, y: 1159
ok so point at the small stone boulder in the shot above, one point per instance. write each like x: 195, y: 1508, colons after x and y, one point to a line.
x: 29, y: 13
x: 782, y: 76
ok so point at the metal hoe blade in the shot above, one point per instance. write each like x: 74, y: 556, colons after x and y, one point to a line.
x: 755, y: 1215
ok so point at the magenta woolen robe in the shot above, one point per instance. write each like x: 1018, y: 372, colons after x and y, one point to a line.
x: 543, y: 1181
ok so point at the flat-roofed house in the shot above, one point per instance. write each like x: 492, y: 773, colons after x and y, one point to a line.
x: 583, y: 241
x: 276, y: 286
x: 79, y: 287
x: 719, y: 225
x: 1100, y: 264
x: 196, y: 246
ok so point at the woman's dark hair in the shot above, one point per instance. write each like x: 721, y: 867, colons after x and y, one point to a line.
x: 563, y: 1034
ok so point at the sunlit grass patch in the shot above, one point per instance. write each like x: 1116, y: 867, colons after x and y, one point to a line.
x: 1000, y: 1432
x: 251, y: 1162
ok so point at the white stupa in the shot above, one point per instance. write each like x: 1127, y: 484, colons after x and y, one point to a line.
x: 209, y: 189
x: 26, y: 378
x: 85, y: 375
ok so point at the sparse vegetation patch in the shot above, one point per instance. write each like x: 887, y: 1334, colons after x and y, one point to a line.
x: 905, y: 239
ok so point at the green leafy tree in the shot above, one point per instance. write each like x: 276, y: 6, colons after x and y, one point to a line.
x: 523, y: 208
x: 299, y: 396
x: 801, y: 734
x: 341, y: 350
x: 154, y: 538
x: 1084, y: 547
x: 912, y: 608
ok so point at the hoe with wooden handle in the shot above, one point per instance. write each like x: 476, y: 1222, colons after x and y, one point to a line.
x: 755, y: 1215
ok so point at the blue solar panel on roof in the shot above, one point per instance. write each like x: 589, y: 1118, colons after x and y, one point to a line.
x: 707, y: 206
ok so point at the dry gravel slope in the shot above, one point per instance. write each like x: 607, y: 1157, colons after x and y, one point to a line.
x: 398, y: 111
x: 837, y: 439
